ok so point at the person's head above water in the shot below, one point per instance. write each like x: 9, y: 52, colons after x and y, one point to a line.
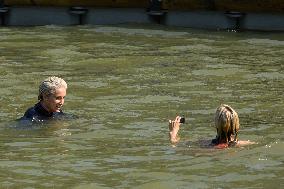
x: 52, y: 92
x: 227, y: 125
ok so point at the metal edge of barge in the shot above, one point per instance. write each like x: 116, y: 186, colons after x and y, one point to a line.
x: 263, y: 15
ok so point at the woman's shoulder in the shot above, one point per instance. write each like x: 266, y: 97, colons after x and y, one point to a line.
x: 212, y: 144
x: 244, y: 142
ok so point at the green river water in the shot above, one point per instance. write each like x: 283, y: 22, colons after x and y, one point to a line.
x: 124, y: 84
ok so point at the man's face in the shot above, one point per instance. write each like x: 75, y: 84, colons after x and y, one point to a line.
x: 54, y: 102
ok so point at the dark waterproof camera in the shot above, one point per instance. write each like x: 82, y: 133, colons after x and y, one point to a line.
x: 182, y: 119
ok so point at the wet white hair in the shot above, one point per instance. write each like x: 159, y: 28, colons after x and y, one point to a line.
x: 49, y: 86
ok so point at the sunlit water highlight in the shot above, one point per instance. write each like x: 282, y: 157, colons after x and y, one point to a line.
x: 125, y: 82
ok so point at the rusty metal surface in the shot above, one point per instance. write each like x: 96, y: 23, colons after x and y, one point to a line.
x: 218, y: 5
x: 226, y: 5
x: 95, y: 3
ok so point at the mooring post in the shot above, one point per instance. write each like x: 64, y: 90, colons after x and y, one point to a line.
x: 3, y: 11
x: 80, y: 12
x: 156, y: 11
x: 237, y: 16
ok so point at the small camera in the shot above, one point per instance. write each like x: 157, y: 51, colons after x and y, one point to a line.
x: 182, y: 119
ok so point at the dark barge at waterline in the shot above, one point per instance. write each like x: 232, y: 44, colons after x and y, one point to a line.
x: 267, y: 15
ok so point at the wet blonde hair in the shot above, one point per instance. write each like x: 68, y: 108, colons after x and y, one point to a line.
x: 49, y: 86
x: 227, y: 124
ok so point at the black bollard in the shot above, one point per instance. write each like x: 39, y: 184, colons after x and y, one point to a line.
x: 3, y: 11
x: 236, y: 16
x: 80, y: 12
x: 156, y: 11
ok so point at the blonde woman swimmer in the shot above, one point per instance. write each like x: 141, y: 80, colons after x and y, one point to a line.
x: 227, y: 127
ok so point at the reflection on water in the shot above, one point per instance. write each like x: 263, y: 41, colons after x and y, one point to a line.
x: 124, y: 83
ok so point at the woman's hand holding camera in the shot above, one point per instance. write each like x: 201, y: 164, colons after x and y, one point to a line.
x: 174, y: 128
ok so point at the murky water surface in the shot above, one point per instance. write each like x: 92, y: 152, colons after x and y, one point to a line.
x: 125, y: 82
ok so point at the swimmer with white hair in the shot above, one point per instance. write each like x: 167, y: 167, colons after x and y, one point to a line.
x: 227, y: 127
x: 52, y: 92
